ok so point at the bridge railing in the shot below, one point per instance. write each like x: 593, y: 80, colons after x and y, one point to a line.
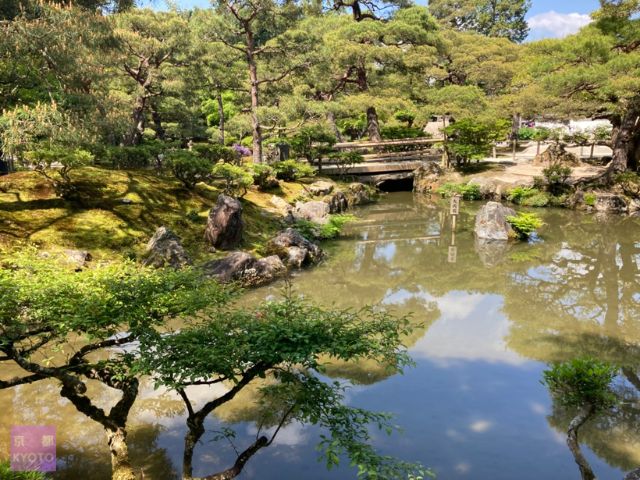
x: 388, y: 155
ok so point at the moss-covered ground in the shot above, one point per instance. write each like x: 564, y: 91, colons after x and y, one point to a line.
x: 119, y: 211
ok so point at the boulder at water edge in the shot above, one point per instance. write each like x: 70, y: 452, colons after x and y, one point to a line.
x: 165, y: 249
x: 245, y: 269
x: 294, y: 249
x: 315, y: 211
x: 491, y: 222
x: 225, y: 224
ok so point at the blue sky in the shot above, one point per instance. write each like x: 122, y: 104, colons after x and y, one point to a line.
x: 547, y: 18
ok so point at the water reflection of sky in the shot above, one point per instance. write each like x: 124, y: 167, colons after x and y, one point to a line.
x: 472, y: 407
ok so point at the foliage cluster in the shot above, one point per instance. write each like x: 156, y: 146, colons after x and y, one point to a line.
x: 582, y: 381
x: 525, y: 224
x: 469, y: 191
x: 327, y: 231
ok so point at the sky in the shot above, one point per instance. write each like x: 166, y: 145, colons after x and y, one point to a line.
x: 547, y: 18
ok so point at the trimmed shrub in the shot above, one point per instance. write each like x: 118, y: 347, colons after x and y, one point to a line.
x: 188, y: 167
x: 291, y: 170
x: 263, y: 176
x: 400, y: 131
x: 556, y: 177
x: 236, y: 178
x: 214, y: 152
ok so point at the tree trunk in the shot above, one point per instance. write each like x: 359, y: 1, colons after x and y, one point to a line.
x: 137, y: 128
x: 625, y: 140
x: 515, y: 129
x: 572, y: 441
x: 332, y: 121
x: 157, y: 123
x: 593, y: 147
x: 196, y: 430
x: 120, y: 466
x: 373, y: 127
x: 221, y: 117
x: 253, y: 79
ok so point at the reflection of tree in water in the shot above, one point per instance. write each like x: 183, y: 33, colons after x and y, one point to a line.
x: 80, y: 442
x: 584, y: 300
x: 613, y: 434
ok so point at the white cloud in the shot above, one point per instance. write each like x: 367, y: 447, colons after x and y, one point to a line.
x: 558, y: 25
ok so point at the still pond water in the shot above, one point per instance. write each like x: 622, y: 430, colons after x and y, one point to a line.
x: 489, y: 320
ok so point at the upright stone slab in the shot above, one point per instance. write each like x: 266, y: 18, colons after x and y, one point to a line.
x: 225, y: 225
x: 491, y: 222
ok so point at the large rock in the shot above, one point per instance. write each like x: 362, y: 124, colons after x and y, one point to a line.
x: 314, y: 211
x: 337, y: 202
x: 556, y: 153
x: 294, y: 249
x: 427, y: 178
x: 491, y: 222
x: 225, y: 224
x: 165, y: 249
x: 610, y: 203
x: 280, y: 204
x: 321, y: 188
x: 360, y: 194
x: 245, y: 269
x: 77, y: 258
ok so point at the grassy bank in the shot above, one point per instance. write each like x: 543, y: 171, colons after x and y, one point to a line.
x: 120, y: 210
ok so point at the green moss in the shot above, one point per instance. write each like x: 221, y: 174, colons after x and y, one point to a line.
x: 590, y: 199
x: 121, y: 210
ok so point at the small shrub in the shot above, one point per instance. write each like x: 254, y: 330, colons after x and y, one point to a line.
x: 315, y: 231
x: 241, y: 150
x: 590, y: 199
x: 188, y: 167
x: 345, y: 160
x: 42, y: 161
x: 214, y: 152
x: 236, y: 178
x: 556, y: 177
x: 539, y: 200
x: 524, y: 224
x: 291, y: 170
x: 630, y: 183
x: 582, y: 381
x: 127, y: 158
x: 405, y: 116
x: 7, y: 474
x: 469, y: 191
x: 526, y: 133
x: 400, y: 131
x: 519, y: 193
x: 263, y: 176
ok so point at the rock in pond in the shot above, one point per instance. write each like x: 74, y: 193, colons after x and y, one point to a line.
x: 294, y: 250
x: 165, y: 249
x: 245, y: 269
x: 225, y: 225
x: 491, y: 222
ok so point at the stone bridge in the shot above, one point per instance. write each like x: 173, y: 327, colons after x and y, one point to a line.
x: 390, y: 162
